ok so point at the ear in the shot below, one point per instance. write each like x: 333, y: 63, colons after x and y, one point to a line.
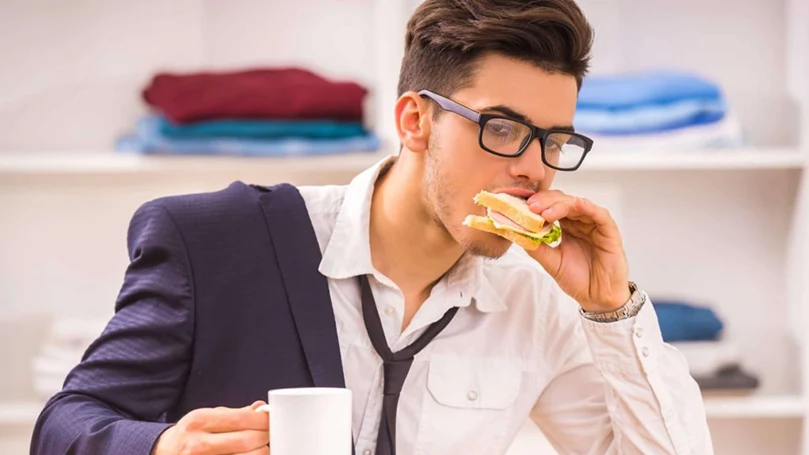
x: 413, y: 121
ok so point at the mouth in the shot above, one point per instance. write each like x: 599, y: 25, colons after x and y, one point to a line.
x: 521, y: 193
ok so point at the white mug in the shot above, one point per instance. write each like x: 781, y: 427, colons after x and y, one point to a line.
x: 310, y: 421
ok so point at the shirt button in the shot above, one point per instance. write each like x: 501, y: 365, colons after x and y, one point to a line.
x: 639, y: 332
x: 472, y: 395
x: 645, y: 351
x: 389, y: 310
x: 366, y: 452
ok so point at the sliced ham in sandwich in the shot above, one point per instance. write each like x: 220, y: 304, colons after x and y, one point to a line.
x: 510, y: 217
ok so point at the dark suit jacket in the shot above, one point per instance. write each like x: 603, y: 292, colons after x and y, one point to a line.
x: 222, y: 301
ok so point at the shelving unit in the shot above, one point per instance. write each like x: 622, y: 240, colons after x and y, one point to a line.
x: 756, y: 407
x: 19, y: 413
x: 89, y: 163
x: 751, y: 205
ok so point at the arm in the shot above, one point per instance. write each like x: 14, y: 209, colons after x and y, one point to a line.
x: 618, y: 389
x: 113, y: 401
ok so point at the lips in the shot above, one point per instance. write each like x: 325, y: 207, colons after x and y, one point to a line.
x: 521, y: 193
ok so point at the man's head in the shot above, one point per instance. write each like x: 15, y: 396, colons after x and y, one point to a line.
x: 524, y: 59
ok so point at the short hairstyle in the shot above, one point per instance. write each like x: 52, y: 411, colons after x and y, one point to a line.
x: 446, y: 39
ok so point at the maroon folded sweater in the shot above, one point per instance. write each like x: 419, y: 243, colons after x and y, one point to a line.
x: 283, y: 93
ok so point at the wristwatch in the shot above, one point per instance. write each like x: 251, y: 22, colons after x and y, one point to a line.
x: 630, y: 309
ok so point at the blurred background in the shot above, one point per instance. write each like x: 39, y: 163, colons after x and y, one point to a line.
x: 702, y: 162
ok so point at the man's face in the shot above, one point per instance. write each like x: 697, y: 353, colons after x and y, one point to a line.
x: 457, y: 167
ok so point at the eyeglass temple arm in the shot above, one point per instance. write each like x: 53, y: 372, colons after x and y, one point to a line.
x: 452, y: 106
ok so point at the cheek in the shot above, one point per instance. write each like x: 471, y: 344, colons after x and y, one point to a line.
x: 546, y: 182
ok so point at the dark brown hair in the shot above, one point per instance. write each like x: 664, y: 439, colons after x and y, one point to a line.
x: 446, y: 38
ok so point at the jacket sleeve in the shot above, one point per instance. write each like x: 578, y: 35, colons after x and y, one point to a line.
x: 114, y: 401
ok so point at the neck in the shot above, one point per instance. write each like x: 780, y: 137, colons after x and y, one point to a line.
x: 407, y: 245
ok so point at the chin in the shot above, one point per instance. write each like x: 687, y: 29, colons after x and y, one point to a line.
x: 486, y: 245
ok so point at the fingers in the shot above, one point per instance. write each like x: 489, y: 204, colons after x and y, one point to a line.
x: 544, y: 199
x: 579, y: 209
x: 261, y: 451
x: 224, y: 420
x: 236, y: 442
x: 256, y: 405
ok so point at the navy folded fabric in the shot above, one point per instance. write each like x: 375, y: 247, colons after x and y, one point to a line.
x: 680, y: 321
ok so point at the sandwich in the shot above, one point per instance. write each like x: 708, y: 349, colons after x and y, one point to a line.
x: 510, y: 217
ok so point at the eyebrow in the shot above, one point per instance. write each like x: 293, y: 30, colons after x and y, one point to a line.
x: 505, y: 110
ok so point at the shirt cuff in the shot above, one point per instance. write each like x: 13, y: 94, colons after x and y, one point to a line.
x: 631, y: 346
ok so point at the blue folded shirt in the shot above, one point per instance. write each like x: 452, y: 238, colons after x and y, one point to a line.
x: 258, y: 129
x: 148, y: 139
x: 644, y: 89
x: 680, y: 321
x: 650, y: 119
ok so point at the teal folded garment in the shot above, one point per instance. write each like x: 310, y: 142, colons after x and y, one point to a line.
x: 259, y: 129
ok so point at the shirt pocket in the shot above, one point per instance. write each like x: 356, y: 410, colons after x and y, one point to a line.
x: 469, y: 404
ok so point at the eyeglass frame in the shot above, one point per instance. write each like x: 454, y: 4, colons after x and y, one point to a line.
x: 536, y: 132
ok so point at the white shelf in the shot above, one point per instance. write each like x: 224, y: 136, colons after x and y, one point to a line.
x: 71, y: 163
x: 753, y: 158
x: 781, y: 406
x: 19, y: 413
x: 118, y: 163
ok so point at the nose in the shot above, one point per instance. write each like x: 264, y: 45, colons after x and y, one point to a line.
x: 529, y: 165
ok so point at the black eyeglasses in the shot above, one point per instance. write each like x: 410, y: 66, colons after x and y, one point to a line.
x: 562, y: 150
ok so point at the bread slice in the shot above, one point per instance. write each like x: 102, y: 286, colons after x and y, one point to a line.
x: 484, y: 223
x: 514, y: 208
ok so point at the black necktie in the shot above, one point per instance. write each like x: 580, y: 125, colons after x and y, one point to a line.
x: 396, y: 364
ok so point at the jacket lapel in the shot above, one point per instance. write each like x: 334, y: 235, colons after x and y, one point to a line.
x: 298, y: 255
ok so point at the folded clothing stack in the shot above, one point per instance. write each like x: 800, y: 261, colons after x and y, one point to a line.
x: 713, y: 360
x: 655, y: 110
x: 261, y: 112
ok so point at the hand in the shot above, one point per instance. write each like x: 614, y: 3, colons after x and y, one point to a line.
x: 217, y: 431
x: 589, y: 264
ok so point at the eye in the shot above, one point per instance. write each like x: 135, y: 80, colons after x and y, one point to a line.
x: 552, y: 145
x: 500, y: 127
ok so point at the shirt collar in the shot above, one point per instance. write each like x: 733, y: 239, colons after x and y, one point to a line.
x: 348, y: 252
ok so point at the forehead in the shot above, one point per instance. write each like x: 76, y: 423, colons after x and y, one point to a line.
x: 548, y: 99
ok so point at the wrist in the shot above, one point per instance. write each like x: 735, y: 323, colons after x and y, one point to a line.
x: 630, y: 307
x: 612, y: 303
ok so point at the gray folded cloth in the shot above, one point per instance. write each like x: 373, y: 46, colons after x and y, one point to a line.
x: 729, y: 378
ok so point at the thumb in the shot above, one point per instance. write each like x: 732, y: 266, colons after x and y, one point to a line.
x: 255, y: 405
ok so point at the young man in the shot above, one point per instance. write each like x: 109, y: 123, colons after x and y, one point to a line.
x: 204, y: 325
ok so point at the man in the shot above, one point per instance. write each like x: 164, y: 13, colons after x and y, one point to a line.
x: 558, y: 335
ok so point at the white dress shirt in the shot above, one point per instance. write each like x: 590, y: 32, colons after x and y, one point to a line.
x: 517, y: 348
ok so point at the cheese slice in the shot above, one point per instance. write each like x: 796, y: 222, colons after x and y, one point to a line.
x: 501, y: 221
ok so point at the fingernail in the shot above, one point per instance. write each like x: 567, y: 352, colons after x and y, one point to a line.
x: 547, y: 213
x: 535, y: 206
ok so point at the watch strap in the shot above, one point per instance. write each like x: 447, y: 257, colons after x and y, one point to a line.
x: 630, y: 309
